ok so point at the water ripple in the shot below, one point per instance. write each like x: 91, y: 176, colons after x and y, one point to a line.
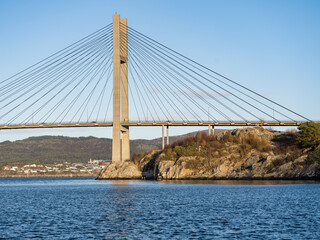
x: 82, y: 208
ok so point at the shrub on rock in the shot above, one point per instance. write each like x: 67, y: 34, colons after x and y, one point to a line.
x: 309, y: 135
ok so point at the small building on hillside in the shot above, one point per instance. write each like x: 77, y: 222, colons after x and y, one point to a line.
x: 6, y: 168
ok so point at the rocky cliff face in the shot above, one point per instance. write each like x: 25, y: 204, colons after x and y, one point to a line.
x: 253, y: 167
x: 248, y: 153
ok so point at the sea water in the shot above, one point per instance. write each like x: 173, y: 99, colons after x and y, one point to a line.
x: 84, y: 208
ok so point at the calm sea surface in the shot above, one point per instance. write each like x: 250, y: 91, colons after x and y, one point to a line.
x: 83, y: 208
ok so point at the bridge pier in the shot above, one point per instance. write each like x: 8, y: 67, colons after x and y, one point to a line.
x: 211, y: 130
x: 162, y: 136
x: 167, y: 135
x: 125, y: 146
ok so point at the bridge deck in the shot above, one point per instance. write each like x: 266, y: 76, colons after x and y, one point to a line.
x: 109, y: 124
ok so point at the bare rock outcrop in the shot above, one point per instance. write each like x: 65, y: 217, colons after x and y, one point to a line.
x: 121, y: 170
x: 258, y: 168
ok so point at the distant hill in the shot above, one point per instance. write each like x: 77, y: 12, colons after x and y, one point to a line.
x: 58, y: 149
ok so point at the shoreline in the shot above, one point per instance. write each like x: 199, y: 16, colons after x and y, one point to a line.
x: 317, y: 179
x: 220, y: 181
x: 45, y: 176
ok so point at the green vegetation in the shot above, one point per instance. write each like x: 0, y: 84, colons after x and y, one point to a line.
x: 136, y: 157
x: 314, y: 156
x: 204, y: 153
x: 205, y: 146
x: 309, y: 135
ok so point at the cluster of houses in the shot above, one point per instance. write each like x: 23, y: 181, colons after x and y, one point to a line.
x: 61, y: 168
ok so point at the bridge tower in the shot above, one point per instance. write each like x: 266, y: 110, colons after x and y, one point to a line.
x: 120, y: 133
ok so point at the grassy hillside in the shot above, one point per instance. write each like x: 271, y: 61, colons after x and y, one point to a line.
x: 50, y: 149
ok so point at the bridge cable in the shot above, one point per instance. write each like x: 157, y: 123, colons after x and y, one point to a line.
x: 148, y: 80
x: 228, y: 79
x: 91, y: 79
x: 159, y: 65
x: 101, y: 93
x: 146, y: 94
x: 198, y: 86
x: 181, y: 59
x: 105, y: 117
x: 28, y: 75
x: 26, y: 92
x: 92, y: 91
x: 188, y: 80
x: 44, y: 80
x: 59, y: 52
x: 58, y: 104
x: 162, y: 92
x: 42, y: 89
x: 87, y: 73
x: 161, y: 72
x: 63, y: 88
x: 145, y: 44
x: 140, y: 95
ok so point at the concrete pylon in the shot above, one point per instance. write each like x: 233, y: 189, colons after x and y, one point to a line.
x: 120, y: 152
x: 124, y: 89
x: 116, y: 154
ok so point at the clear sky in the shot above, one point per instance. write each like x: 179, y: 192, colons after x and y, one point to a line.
x: 273, y: 46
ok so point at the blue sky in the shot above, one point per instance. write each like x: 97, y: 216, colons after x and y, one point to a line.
x: 270, y: 46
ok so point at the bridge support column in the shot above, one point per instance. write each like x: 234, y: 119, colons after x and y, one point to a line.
x: 162, y: 136
x: 167, y: 135
x: 116, y: 154
x: 124, y: 89
x: 212, y: 131
x: 209, y: 133
x: 125, y: 150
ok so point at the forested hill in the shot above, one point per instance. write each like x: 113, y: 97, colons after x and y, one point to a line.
x: 58, y: 149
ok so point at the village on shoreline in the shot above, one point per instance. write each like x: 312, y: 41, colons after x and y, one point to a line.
x: 67, y: 169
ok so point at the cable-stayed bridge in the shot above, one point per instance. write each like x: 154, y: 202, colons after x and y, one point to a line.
x: 99, y: 79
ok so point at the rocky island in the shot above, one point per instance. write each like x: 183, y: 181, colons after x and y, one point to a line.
x: 246, y: 153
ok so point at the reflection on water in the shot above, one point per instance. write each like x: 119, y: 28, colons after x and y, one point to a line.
x: 119, y: 202
x: 82, y: 208
x: 121, y: 183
